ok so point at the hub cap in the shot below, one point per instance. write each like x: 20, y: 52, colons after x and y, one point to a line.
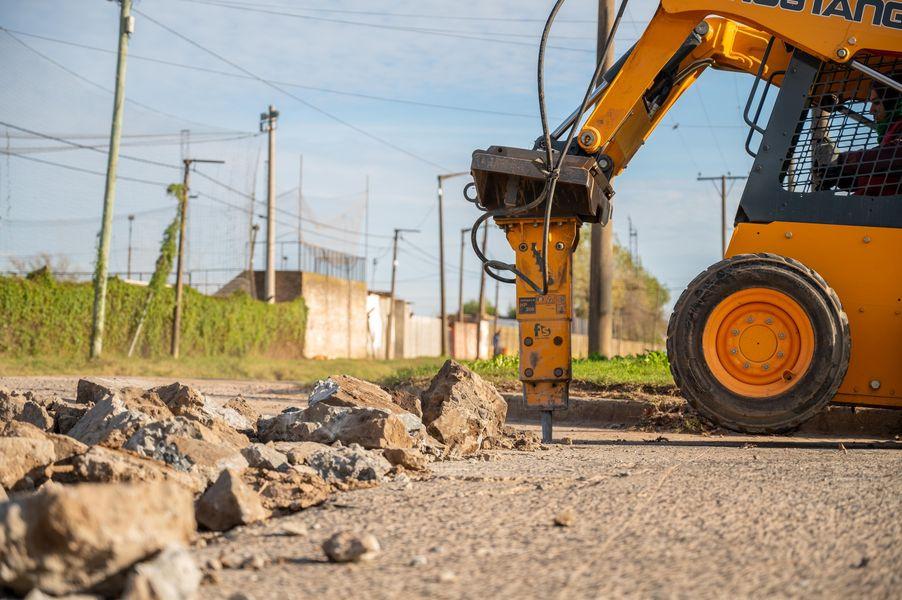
x: 758, y: 342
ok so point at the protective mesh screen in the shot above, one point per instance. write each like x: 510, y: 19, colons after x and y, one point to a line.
x: 843, y: 142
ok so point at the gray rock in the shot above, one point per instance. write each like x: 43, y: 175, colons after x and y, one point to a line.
x: 106, y: 465
x: 37, y: 415
x: 346, y: 546
x: 66, y: 414
x: 340, y: 463
x: 229, y: 502
x: 21, y: 457
x: 171, y: 575
x: 297, y: 425
x: 461, y: 410
x: 94, y: 389
x: 369, y: 427
x: 350, y: 392
x: 109, y: 422
x: 68, y: 539
x: 188, y: 446
x: 263, y: 456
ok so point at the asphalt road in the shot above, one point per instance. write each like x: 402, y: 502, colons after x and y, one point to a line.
x: 664, y: 519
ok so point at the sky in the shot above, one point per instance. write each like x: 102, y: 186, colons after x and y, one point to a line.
x: 389, y: 93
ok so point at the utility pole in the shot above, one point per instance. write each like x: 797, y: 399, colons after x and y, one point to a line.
x: 481, y: 307
x: 495, y: 319
x: 389, y: 330
x: 366, y: 232
x: 126, y: 27
x: 460, y: 288
x: 131, y: 220
x: 268, y: 124
x: 180, y: 264
x: 601, y: 260
x: 441, y: 255
x: 250, y: 261
x: 723, y: 205
x: 300, y: 210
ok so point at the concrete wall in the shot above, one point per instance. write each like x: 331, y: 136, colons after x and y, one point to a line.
x: 336, y: 316
x: 422, y: 336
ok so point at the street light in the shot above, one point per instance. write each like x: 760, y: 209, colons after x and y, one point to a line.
x: 441, y: 253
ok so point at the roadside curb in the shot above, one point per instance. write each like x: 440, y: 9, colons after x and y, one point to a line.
x: 614, y: 412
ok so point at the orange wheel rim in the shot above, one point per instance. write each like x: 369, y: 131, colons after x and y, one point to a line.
x: 758, y: 342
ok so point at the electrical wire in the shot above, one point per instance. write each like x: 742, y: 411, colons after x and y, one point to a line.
x: 552, y: 170
x: 278, y: 88
x: 168, y: 63
x: 83, y: 79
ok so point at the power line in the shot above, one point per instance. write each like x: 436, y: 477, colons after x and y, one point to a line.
x: 310, y: 105
x: 419, y: 30
x: 277, y: 82
x: 97, y: 85
x: 83, y: 170
x: 506, y: 19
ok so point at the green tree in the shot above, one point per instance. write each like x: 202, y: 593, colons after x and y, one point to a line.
x: 639, y: 297
x: 471, y: 307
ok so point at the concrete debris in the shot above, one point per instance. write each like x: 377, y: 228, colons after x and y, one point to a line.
x: 66, y: 414
x: 297, y: 452
x: 109, y: 422
x: 22, y: 406
x: 265, y: 456
x: 369, y: 427
x: 325, y: 423
x: 350, y: 392
x: 347, y: 546
x: 565, y: 518
x: 171, y: 575
x: 186, y: 445
x: 245, y: 410
x: 352, y: 463
x: 3, y: 496
x: 63, y: 445
x: 185, y: 401
x: 83, y: 538
x: 288, y: 492
x: 461, y: 409
x: 409, y: 458
x: 94, y: 389
x: 408, y: 401
x: 23, y: 457
x: 105, y: 465
x: 229, y: 502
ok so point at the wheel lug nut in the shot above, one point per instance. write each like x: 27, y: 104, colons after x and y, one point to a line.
x: 769, y: 321
x: 765, y: 366
x: 746, y: 366
x: 781, y: 335
x: 734, y: 331
x: 733, y: 350
x: 750, y: 320
x: 780, y: 354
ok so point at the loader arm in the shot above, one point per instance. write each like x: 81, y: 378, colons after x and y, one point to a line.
x: 644, y: 90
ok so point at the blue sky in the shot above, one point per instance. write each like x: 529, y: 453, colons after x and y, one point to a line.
x: 478, y: 55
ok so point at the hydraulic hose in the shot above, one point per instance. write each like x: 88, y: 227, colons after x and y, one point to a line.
x: 551, y: 169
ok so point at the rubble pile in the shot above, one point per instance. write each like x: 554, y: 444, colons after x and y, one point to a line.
x: 103, y: 493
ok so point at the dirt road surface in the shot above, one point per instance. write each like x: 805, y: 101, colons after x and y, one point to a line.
x: 683, y: 516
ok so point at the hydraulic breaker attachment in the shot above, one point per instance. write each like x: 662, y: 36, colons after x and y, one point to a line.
x: 545, y: 352
x: 511, y: 177
x: 508, y: 182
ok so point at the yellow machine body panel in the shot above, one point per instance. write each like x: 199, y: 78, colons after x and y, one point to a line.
x: 864, y: 266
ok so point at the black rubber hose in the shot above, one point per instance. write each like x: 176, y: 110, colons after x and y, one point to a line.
x: 552, y: 170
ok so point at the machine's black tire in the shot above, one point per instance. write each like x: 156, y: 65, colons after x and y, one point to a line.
x: 812, y: 390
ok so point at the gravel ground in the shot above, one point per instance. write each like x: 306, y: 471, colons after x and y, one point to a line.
x: 652, y: 517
